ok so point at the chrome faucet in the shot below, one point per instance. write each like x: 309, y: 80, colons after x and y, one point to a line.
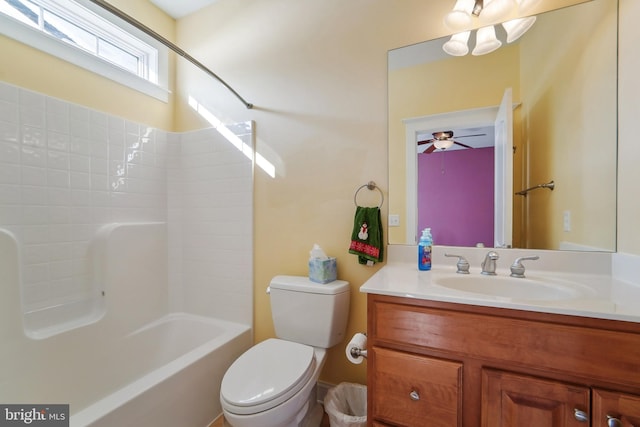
x: 462, y: 264
x: 517, y: 268
x: 489, y: 263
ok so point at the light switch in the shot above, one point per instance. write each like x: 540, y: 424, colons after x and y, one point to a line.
x: 394, y: 220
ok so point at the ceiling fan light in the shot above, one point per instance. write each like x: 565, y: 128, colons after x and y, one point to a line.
x: 486, y: 41
x: 517, y: 27
x: 457, y: 44
x: 496, y: 10
x: 460, y: 17
x: 443, y: 144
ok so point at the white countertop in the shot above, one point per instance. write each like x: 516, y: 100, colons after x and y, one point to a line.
x: 606, y: 297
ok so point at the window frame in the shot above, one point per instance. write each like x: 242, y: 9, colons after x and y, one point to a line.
x: 76, y: 55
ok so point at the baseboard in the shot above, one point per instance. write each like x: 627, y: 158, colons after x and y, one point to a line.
x: 323, y: 388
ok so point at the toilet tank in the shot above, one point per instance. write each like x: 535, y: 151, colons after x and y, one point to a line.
x: 309, y: 313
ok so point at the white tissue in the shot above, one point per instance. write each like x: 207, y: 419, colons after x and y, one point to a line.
x: 359, y: 341
x: 317, y: 253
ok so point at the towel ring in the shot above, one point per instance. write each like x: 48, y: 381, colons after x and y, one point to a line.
x: 371, y: 186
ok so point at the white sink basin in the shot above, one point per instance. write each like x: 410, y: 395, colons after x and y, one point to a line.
x: 513, y: 288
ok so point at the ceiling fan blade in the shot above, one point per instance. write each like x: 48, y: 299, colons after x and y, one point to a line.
x: 460, y: 143
x: 469, y: 136
x: 428, y: 141
x: 429, y: 150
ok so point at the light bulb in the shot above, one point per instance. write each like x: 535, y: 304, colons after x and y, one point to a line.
x: 457, y: 45
x: 486, y: 41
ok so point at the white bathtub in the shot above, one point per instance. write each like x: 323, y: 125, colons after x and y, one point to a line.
x: 134, y: 364
x: 168, y: 374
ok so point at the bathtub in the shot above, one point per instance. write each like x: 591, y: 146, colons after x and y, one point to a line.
x: 169, y: 374
x: 135, y: 363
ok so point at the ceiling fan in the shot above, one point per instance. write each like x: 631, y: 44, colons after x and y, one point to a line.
x: 444, y: 140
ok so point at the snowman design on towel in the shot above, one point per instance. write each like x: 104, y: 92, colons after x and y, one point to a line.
x: 363, y: 234
x: 366, y: 235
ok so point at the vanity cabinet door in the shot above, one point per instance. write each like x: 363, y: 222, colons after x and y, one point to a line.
x: 414, y: 390
x: 612, y: 409
x: 512, y: 400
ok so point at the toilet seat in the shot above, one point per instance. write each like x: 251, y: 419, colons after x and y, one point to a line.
x: 266, y: 375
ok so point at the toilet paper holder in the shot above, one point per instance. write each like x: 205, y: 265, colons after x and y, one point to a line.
x: 357, y: 352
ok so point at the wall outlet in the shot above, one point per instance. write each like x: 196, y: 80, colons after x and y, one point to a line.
x: 566, y: 221
x: 394, y: 220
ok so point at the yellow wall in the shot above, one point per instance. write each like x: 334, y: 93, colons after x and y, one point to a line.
x: 25, y: 67
x: 563, y: 145
x: 628, y: 147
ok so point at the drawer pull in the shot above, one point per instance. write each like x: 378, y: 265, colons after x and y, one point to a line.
x: 613, y: 421
x: 580, y: 415
x: 414, y: 395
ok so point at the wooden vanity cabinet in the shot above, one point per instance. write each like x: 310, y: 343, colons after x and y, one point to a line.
x: 443, y: 364
x: 517, y: 400
x: 416, y: 388
x: 614, y: 409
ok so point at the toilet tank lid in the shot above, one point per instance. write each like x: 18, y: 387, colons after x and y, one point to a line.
x: 303, y: 284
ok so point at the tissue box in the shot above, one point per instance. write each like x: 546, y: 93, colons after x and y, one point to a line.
x: 322, y: 270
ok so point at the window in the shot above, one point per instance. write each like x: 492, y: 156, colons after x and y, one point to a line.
x: 89, y: 37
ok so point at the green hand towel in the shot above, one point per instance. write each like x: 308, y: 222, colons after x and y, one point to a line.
x: 366, y: 238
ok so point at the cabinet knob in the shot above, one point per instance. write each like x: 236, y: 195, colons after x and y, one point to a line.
x: 613, y: 421
x: 581, y: 416
x: 414, y: 395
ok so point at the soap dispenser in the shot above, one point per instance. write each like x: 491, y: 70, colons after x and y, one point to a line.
x: 425, y: 246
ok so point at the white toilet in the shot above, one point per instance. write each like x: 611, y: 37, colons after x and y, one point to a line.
x: 273, y: 384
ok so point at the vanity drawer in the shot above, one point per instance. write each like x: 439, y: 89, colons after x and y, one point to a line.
x: 410, y: 389
x: 561, y: 347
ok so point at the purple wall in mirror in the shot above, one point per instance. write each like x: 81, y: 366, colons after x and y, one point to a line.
x: 455, y: 196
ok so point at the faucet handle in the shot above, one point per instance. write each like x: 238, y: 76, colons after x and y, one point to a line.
x: 462, y: 264
x: 517, y: 268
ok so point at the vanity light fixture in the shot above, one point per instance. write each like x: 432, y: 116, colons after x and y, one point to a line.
x: 517, y: 27
x: 457, y: 45
x: 496, y: 10
x: 486, y: 41
x: 526, y: 5
x: 460, y: 19
x: 477, y: 7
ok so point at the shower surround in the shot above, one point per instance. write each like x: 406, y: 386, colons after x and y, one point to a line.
x: 70, y: 176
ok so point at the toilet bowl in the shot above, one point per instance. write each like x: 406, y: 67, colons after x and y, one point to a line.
x: 273, y: 384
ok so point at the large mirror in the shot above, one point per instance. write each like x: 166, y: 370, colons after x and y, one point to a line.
x: 561, y: 77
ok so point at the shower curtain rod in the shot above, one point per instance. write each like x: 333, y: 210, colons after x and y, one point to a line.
x: 139, y: 25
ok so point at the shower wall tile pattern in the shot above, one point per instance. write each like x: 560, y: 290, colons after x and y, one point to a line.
x: 210, y: 190
x: 66, y: 171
